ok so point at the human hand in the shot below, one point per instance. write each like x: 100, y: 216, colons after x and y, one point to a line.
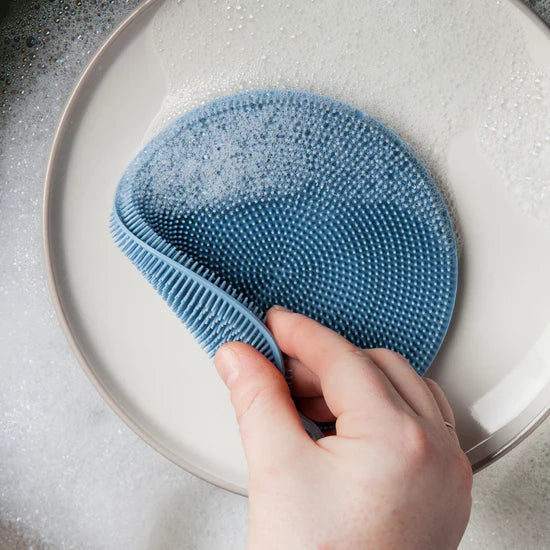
x: 393, y: 476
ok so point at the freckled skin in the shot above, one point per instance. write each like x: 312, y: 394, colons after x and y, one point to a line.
x: 392, y: 476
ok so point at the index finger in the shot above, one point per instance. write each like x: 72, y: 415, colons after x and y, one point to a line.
x: 352, y: 384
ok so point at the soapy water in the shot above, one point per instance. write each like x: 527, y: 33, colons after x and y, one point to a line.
x: 515, y: 138
x: 72, y: 475
x: 220, y: 166
x: 542, y: 7
x: 423, y: 77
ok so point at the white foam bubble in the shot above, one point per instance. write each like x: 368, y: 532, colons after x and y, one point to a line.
x: 218, y: 165
x: 516, y: 139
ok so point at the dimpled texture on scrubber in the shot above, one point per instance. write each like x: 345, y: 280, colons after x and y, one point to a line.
x: 301, y: 200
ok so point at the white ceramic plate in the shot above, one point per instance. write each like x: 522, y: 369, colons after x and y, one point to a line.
x: 494, y: 364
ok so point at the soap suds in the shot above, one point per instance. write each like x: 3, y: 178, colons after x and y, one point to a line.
x: 449, y: 60
x: 515, y: 139
x: 222, y: 161
x: 72, y: 475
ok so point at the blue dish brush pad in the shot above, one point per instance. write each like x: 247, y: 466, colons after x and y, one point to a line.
x: 291, y: 198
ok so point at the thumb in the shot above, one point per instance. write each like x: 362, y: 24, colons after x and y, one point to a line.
x: 271, y: 431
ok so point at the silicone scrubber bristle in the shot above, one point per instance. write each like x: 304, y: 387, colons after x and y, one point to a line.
x: 291, y: 198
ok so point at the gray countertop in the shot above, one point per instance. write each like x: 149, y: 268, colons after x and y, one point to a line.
x: 72, y: 475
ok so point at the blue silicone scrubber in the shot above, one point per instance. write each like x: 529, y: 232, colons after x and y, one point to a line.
x: 291, y: 198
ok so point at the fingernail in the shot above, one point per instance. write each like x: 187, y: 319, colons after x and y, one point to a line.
x: 227, y: 365
x: 280, y: 308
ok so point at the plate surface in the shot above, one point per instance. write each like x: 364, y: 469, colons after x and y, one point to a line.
x: 494, y: 364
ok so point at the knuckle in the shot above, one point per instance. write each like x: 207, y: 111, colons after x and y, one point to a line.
x: 296, y: 326
x: 389, y: 359
x: 246, y: 400
x: 399, y: 357
x: 388, y: 356
x: 251, y: 397
x: 431, y: 383
x: 354, y: 353
x: 418, y: 445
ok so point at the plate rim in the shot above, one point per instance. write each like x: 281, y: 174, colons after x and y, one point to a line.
x: 55, y: 295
